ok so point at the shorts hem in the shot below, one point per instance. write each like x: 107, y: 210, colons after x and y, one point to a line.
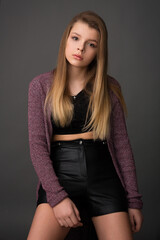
x: 108, y: 212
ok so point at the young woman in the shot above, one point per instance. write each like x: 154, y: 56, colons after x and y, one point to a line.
x: 79, y: 144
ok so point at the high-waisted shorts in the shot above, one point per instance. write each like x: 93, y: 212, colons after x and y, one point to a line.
x: 86, y: 171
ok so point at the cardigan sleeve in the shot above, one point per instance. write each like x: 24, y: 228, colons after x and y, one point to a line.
x: 39, y: 152
x: 124, y: 155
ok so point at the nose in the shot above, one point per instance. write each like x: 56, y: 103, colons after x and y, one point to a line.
x: 81, y: 48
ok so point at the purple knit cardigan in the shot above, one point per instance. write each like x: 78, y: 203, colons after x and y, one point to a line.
x: 40, y: 134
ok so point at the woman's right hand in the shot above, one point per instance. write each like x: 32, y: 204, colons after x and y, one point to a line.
x: 67, y: 213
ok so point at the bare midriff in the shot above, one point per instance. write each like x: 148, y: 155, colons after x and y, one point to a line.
x: 86, y: 135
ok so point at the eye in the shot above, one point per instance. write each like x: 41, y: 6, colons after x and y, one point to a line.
x: 75, y: 38
x: 92, y: 45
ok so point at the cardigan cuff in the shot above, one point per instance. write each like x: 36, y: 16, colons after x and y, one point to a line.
x: 135, y: 205
x: 57, y: 198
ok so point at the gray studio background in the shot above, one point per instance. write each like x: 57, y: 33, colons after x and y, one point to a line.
x: 30, y: 32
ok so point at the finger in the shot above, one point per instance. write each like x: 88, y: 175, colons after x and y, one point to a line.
x: 64, y: 222
x: 74, y: 217
x: 138, y: 223
x: 137, y: 228
x: 78, y: 225
x: 74, y: 220
x: 69, y: 222
x: 60, y: 222
x: 76, y: 212
x: 72, y: 224
x: 132, y: 223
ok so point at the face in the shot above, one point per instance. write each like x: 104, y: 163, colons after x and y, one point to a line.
x: 82, y: 45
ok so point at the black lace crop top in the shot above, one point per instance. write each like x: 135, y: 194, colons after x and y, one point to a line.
x: 80, y: 102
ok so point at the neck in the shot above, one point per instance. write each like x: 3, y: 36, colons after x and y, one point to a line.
x: 76, y: 78
x: 76, y: 73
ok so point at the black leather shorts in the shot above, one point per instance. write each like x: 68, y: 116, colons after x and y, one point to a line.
x: 86, y: 171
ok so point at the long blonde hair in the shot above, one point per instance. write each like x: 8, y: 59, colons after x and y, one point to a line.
x: 96, y: 84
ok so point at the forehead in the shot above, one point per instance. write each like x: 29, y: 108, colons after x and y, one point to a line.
x: 84, y: 30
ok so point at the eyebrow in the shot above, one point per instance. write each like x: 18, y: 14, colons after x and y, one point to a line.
x: 88, y: 39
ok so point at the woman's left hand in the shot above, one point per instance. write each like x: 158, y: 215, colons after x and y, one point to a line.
x: 136, y: 219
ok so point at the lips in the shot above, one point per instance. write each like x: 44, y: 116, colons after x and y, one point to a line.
x: 78, y: 57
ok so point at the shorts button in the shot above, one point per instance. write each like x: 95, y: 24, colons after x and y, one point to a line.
x: 80, y: 142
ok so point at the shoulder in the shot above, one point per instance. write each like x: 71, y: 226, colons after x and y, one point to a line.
x: 42, y: 81
x: 113, y: 81
x: 114, y: 89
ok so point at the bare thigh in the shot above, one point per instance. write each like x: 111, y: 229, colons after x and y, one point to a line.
x: 113, y: 226
x: 45, y: 226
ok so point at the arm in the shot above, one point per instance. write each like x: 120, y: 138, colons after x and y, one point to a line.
x: 38, y: 145
x: 126, y: 165
x: 124, y: 154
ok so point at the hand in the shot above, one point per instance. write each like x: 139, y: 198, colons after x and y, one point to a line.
x: 136, y: 219
x: 67, y: 213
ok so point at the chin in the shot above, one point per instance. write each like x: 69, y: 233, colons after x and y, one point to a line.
x: 73, y: 64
